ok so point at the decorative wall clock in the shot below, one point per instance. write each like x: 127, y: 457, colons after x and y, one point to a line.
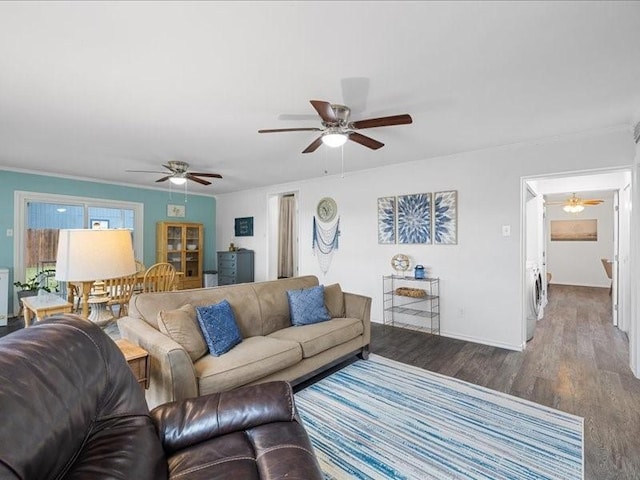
x: 327, y: 209
x: 400, y: 263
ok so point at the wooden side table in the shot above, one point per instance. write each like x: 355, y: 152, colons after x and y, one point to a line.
x: 138, y: 360
x: 43, y: 307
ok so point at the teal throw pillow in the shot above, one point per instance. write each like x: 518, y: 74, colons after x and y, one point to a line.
x: 218, y: 325
x: 306, y: 306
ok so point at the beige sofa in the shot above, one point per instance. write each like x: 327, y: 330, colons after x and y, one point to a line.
x: 271, y: 348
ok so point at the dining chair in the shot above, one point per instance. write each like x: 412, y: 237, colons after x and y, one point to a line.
x: 120, y: 290
x: 159, y: 278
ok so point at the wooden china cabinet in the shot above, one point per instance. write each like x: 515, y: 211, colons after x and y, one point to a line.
x: 181, y: 245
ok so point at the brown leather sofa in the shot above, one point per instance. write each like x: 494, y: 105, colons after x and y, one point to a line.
x: 72, y: 409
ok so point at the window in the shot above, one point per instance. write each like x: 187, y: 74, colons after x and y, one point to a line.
x: 39, y: 217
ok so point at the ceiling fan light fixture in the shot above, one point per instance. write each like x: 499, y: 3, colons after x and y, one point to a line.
x: 573, y: 208
x: 334, y: 139
x: 178, y: 180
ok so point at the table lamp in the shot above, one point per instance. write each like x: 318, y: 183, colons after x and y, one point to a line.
x: 85, y: 256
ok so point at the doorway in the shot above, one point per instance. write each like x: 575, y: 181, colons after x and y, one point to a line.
x: 614, y: 185
x: 283, y: 236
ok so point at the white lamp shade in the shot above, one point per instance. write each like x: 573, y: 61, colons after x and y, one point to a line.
x: 573, y: 208
x: 87, y: 255
x: 334, y: 139
x: 178, y: 180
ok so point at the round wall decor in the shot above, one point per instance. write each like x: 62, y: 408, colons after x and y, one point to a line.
x: 400, y: 263
x: 327, y: 209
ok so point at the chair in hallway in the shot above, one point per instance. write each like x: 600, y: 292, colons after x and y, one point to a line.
x: 609, y: 271
x: 159, y: 278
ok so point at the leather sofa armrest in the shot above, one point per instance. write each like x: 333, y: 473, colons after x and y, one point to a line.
x: 188, y: 422
x: 172, y: 373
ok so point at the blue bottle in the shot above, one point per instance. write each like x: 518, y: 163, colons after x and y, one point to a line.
x: 419, y: 272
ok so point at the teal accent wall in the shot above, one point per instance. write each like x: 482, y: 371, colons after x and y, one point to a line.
x: 200, y: 209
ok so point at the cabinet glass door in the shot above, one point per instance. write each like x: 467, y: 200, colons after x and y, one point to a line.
x: 175, y: 247
x: 193, y: 246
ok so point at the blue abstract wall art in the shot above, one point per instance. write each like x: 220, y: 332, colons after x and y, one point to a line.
x: 387, y: 220
x: 414, y: 218
x: 445, y: 218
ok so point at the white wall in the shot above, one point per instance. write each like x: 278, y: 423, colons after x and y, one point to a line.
x: 578, y: 263
x: 481, y: 276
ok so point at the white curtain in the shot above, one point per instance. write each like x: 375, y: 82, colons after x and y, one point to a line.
x: 286, y: 236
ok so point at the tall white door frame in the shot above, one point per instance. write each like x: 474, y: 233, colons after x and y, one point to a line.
x: 628, y: 316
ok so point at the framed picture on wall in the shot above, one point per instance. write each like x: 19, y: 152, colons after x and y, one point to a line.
x: 414, y: 218
x: 574, y: 230
x: 176, y: 211
x: 244, y: 227
x: 445, y: 218
x: 387, y: 220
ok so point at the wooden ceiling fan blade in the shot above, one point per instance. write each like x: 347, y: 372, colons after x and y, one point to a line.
x: 274, y: 130
x: 198, y: 180
x: 212, y: 175
x: 366, y: 141
x: 164, y: 179
x: 383, y: 121
x: 325, y: 111
x: 144, y: 171
x: 313, y: 146
x: 592, y: 202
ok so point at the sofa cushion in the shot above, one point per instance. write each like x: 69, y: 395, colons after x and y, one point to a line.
x: 219, y: 327
x: 274, y: 302
x: 306, y: 306
x: 183, y: 327
x: 254, y: 358
x: 334, y: 300
x: 319, y: 337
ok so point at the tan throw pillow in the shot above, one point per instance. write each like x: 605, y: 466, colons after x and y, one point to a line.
x: 334, y: 300
x: 182, y: 326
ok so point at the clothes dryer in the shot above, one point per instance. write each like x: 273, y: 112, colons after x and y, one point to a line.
x: 534, y: 298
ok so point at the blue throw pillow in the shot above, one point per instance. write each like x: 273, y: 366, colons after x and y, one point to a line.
x: 306, y: 306
x: 218, y: 325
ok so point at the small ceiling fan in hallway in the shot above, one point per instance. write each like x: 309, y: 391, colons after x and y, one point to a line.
x: 337, y: 128
x: 575, y: 204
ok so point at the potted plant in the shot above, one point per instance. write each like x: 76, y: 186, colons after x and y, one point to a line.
x: 33, y: 284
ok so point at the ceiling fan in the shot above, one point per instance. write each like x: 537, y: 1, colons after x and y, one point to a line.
x: 337, y: 128
x: 575, y: 204
x: 178, y: 173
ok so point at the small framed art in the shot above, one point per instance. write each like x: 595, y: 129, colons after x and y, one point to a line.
x: 244, y: 227
x: 176, y: 211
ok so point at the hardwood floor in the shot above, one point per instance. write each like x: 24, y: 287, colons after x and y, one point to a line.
x: 577, y: 362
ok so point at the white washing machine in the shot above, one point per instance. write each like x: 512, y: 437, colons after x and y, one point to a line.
x: 533, y: 298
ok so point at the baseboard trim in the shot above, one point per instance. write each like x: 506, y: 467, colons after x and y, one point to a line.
x: 482, y: 341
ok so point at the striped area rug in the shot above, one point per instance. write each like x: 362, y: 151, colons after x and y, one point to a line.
x: 380, y: 419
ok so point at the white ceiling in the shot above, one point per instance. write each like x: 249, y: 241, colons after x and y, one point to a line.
x: 91, y: 89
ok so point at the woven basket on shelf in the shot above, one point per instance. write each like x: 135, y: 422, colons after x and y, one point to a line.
x: 411, y: 292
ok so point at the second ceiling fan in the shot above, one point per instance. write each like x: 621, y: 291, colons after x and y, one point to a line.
x: 575, y: 204
x: 178, y: 173
x: 337, y: 128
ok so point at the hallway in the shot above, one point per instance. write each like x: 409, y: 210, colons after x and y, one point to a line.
x: 577, y: 362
